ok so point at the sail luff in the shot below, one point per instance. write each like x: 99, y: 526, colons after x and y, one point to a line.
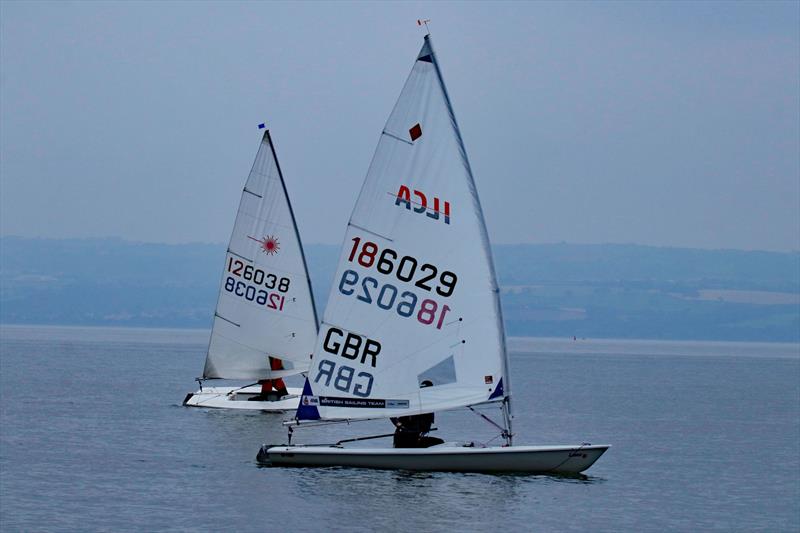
x: 484, y: 232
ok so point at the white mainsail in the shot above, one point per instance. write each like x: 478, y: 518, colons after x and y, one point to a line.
x: 265, y: 306
x: 415, y: 297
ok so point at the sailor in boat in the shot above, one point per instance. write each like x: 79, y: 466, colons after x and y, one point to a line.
x: 412, y: 431
x: 267, y: 385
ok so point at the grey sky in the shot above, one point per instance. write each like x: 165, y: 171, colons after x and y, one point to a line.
x: 656, y: 123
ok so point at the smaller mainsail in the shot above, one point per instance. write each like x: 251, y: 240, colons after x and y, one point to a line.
x: 265, y: 306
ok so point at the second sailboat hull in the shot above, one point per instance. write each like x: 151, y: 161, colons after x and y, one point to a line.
x: 240, y: 398
x: 443, y: 458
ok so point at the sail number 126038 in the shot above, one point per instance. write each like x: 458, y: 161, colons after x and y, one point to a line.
x: 252, y: 282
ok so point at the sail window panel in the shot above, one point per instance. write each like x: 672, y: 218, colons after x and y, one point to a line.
x: 441, y: 373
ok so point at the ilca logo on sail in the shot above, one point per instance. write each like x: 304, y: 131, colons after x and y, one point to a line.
x: 420, y: 203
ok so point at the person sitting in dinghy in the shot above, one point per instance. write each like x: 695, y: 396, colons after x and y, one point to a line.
x: 267, y: 394
x: 412, y: 431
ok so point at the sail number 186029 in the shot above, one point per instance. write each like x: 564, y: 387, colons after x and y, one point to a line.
x: 426, y: 277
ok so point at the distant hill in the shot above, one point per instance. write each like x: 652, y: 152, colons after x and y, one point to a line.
x: 622, y: 291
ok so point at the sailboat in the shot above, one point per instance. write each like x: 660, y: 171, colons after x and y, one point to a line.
x: 265, y: 322
x: 415, y: 301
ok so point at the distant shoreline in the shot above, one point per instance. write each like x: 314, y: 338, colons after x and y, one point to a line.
x: 514, y: 342
x: 558, y: 290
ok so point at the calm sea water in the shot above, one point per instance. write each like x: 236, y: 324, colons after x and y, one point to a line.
x: 706, y: 436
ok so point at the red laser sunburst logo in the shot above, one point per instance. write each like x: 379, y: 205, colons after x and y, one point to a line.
x: 269, y: 244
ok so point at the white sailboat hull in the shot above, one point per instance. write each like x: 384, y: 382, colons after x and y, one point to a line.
x: 443, y: 458
x: 239, y: 398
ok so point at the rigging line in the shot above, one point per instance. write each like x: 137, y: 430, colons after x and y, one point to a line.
x: 294, y: 423
x: 355, y: 439
x: 492, y: 422
x: 242, y: 387
x: 366, y: 438
x: 504, y: 433
x: 486, y: 444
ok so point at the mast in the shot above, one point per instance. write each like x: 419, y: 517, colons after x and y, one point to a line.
x: 507, y: 416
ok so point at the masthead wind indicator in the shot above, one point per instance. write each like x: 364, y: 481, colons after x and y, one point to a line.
x: 424, y: 22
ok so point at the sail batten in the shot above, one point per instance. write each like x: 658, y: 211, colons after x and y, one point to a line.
x: 415, y: 276
x: 253, y: 193
x: 265, y: 306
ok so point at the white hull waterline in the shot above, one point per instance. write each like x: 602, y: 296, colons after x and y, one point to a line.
x: 240, y: 398
x: 442, y: 458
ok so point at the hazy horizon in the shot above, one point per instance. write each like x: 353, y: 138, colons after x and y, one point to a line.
x: 337, y: 244
x: 658, y: 124
x: 573, y: 290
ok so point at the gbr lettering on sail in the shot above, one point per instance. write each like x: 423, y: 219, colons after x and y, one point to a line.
x: 352, y: 347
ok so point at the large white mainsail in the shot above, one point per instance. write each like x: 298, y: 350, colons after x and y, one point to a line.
x: 415, y: 297
x: 265, y: 306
